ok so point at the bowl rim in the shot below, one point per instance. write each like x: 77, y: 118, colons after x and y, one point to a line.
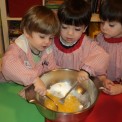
x: 66, y: 69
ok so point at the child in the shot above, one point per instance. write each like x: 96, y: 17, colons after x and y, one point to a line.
x: 31, y: 54
x: 110, y: 39
x: 74, y: 49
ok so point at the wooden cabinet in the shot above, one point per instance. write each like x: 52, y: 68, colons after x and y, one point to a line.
x: 5, y: 19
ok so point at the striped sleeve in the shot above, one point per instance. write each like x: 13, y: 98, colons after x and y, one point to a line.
x: 13, y: 68
x: 96, y: 62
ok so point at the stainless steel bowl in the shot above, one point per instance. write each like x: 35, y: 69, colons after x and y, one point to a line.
x: 60, y: 75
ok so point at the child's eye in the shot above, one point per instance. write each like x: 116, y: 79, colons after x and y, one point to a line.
x: 111, y: 25
x: 51, y: 38
x: 64, y: 27
x: 77, y: 29
x: 42, y: 37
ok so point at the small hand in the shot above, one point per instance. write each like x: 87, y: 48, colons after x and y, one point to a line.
x: 82, y: 75
x: 108, y: 83
x: 22, y: 92
x: 39, y: 87
x: 105, y: 90
x: 114, y: 89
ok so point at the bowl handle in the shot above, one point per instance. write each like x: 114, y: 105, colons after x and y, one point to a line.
x: 30, y: 94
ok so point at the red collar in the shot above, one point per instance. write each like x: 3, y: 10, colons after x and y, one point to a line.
x: 113, y: 40
x: 70, y: 49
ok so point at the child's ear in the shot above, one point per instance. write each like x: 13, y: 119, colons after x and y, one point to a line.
x: 85, y: 29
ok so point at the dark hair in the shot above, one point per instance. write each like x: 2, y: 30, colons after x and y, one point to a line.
x: 40, y: 19
x: 111, y: 10
x: 75, y: 12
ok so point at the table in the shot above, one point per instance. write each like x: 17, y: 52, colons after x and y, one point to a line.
x: 13, y: 108
x: 107, y: 109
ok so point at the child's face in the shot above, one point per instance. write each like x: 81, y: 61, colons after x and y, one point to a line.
x: 40, y: 41
x: 111, y: 29
x: 71, y: 33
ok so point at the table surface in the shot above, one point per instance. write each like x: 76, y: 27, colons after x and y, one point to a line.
x: 13, y: 108
x: 108, y: 108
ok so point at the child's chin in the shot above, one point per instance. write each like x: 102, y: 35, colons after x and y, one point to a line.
x: 44, y: 48
x: 107, y: 36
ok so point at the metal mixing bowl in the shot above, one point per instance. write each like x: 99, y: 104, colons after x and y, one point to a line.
x: 88, y: 99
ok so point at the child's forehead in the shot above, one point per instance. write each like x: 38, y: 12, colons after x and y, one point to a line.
x: 42, y: 34
x: 110, y: 21
x: 111, y: 17
x: 65, y: 24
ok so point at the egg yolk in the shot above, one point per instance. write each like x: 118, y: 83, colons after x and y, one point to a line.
x: 70, y: 105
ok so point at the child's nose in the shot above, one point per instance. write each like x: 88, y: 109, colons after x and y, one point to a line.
x: 47, y: 41
x: 70, y: 31
x: 104, y: 26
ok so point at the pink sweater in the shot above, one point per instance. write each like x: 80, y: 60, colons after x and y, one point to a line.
x: 18, y: 64
x: 113, y: 46
x: 85, y: 54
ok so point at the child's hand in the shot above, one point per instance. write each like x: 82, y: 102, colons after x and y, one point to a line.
x: 108, y: 83
x: 82, y: 75
x: 114, y: 89
x: 39, y: 87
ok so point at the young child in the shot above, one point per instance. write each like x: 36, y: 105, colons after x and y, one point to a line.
x: 31, y: 54
x: 110, y: 39
x: 74, y: 49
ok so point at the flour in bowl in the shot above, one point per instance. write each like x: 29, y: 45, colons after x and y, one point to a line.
x: 59, y: 89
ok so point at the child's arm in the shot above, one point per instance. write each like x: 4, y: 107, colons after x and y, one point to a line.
x: 115, y: 89
x: 95, y: 59
x: 110, y: 87
x: 39, y: 86
x: 14, y: 69
x: 105, y: 81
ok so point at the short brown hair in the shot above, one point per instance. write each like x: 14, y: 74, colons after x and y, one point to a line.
x: 40, y: 19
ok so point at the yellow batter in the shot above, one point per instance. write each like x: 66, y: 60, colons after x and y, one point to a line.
x: 70, y: 105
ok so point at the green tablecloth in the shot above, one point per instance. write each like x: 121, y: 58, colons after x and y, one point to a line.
x: 13, y: 108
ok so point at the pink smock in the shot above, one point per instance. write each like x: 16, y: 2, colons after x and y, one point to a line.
x: 113, y: 47
x: 18, y: 64
x: 85, y: 54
